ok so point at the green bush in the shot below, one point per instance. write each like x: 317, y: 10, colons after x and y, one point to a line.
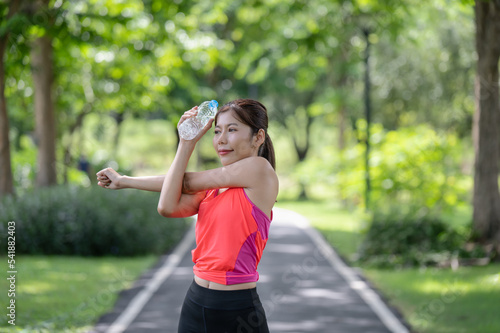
x: 89, y: 222
x: 397, y: 239
x: 413, y: 166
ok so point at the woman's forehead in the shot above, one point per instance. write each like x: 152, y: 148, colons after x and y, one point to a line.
x: 227, y: 117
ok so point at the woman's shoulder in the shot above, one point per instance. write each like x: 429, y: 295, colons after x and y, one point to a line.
x: 261, y: 164
x: 264, y: 171
x: 265, y: 185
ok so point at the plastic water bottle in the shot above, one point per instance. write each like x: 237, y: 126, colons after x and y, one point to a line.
x: 190, y: 128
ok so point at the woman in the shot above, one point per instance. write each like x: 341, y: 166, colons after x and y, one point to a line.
x: 234, y: 206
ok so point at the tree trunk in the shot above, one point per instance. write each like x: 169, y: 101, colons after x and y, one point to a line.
x: 302, y: 152
x: 41, y: 59
x: 342, y: 127
x: 486, y: 202
x: 6, y: 179
x: 367, y: 101
x: 67, y: 158
x: 119, y: 118
x: 343, y: 107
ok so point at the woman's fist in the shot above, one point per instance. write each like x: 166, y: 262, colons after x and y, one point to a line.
x: 109, y: 178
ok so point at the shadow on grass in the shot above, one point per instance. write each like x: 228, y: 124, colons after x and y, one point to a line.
x: 437, y: 300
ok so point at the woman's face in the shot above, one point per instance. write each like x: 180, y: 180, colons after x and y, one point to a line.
x: 233, y: 140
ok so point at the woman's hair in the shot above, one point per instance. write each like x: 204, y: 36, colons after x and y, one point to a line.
x: 254, y: 114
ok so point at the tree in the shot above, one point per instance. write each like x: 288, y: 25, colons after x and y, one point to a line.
x: 6, y: 180
x: 486, y: 202
x: 41, y: 56
x: 43, y: 77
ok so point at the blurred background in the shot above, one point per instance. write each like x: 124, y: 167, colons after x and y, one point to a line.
x: 371, y: 107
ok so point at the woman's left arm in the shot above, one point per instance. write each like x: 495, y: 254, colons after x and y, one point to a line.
x: 249, y: 172
x: 174, y: 202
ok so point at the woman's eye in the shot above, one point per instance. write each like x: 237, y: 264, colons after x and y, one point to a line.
x: 232, y: 130
x: 216, y: 132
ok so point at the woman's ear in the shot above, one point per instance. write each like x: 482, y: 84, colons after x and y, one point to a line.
x: 260, y: 137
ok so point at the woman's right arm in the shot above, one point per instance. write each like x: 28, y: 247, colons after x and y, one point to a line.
x: 174, y: 200
x: 185, y: 205
x: 109, y: 178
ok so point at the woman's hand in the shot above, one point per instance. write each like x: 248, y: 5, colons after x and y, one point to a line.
x: 109, y: 178
x: 190, y: 114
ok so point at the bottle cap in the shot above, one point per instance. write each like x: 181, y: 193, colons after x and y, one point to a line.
x: 213, y: 104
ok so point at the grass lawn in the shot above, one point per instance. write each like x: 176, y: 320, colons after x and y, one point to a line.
x: 67, y: 294
x: 342, y: 229
x: 442, y: 300
x: 431, y: 300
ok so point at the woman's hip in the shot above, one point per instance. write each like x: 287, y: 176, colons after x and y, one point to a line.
x: 208, y: 310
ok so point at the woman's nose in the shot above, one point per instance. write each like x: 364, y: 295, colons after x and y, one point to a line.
x: 221, y: 139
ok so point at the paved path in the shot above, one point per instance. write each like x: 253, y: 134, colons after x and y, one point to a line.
x: 303, y: 285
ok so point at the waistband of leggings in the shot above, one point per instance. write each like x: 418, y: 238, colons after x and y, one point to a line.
x: 223, y: 299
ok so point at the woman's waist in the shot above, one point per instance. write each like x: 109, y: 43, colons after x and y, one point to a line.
x: 218, y: 286
x: 223, y: 299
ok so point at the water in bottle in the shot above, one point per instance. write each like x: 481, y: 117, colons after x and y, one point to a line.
x: 190, y: 128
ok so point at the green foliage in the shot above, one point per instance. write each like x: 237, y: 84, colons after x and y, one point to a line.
x: 396, y: 239
x: 89, y: 222
x: 23, y: 164
x: 412, y: 168
x: 418, y: 176
x: 116, y: 60
x: 424, y: 74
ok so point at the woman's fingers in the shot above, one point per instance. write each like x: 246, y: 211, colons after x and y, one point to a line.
x: 103, y: 174
x: 188, y: 114
x: 102, y: 177
x: 207, y: 127
x: 103, y: 181
x: 191, y: 113
x: 105, y: 177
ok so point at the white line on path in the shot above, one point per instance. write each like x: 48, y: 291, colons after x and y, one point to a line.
x: 365, y: 292
x: 137, y: 303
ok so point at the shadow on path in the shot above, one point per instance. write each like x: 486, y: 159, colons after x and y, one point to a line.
x: 303, y: 285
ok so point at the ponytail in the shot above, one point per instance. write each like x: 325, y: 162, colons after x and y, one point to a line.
x: 266, y: 150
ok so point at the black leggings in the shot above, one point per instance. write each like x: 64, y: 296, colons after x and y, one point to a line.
x: 215, y: 311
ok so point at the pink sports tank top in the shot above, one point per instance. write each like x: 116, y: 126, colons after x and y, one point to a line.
x: 231, y: 233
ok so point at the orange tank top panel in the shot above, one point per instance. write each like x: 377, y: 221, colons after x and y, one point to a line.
x: 231, y: 234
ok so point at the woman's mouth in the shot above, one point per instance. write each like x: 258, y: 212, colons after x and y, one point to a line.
x: 224, y: 151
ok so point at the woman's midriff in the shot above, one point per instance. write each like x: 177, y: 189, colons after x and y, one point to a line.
x: 217, y: 286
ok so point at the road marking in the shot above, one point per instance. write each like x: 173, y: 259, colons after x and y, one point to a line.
x: 364, y: 291
x: 137, y: 303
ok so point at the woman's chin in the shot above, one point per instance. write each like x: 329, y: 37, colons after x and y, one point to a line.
x: 226, y: 160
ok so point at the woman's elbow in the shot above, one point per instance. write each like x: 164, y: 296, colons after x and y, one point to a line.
x: 165, y: 211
